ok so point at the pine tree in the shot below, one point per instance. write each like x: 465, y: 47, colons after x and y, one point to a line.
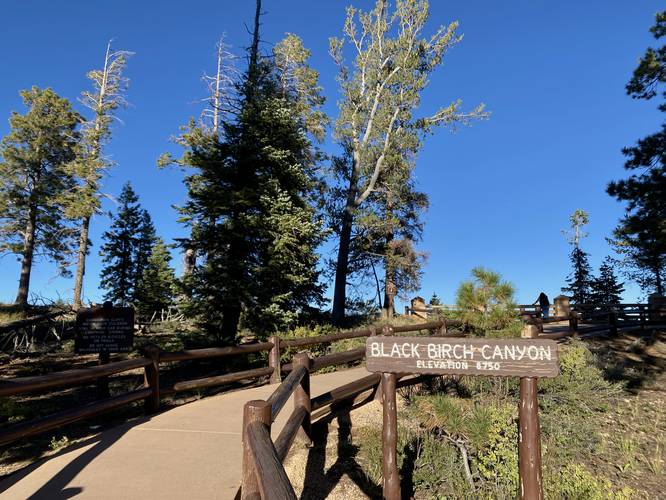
x: 144, y: 246
x: 606, y: 288
x: 393, y: 62
x: 486, y: 301
x: 579, y: 282
x: 640, y: 237
x: 34, y: 178
x: 250, y: 204
x: 434, y: 300
x: 107, y: 95
x: 157, y: 287
x: 126, y: 250
x: 399, y: 207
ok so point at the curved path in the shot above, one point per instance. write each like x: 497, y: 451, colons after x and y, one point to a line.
x: 190, y: 452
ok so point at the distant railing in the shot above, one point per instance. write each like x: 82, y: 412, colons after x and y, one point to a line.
x: 439, y: 309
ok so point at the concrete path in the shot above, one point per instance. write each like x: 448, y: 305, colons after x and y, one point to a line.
x: 190, y: 452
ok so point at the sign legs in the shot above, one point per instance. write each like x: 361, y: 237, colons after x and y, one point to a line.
x: 390, y: 438
x: 529, y: 434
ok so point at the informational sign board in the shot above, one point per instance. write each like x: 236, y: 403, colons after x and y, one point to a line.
x: 463, y: 356
x: 104, y: 330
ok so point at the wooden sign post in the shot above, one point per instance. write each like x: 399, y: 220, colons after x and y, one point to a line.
x: 528, y: 358
x: 529, y: 433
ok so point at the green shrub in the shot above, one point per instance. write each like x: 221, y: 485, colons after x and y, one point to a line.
x: 489, y: 431
x: 301, y: 332
x: 438, y: 471
x: 497, y: 457
x: 570, y: 402
x: 575, y: 483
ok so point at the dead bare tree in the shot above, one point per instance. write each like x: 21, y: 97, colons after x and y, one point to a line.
x: 109, y: 86
x: 221, y: 85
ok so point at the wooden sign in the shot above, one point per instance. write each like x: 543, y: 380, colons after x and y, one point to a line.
x: 463, y: 356
x: 104, y: 330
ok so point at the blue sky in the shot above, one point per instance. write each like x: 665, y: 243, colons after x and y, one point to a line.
x: 551, y: 73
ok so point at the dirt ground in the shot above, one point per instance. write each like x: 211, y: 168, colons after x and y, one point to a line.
x: 634, y: 431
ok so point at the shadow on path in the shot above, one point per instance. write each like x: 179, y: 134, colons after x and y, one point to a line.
x: 321, y: 482
x: 56, y: 487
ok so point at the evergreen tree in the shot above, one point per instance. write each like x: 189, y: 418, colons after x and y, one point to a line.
x: 126, y: 249
x: 434, y: 300
x: 640, y: 237
x: 486, y: 302
x: 34, y: 178
x: 107, y: 95
x: 399, y: 207
x: 393, y: 62
x: 250, y: 204
x: 157, y: 287
x: 606, y: 288
x: 579, y: 282
x: 144, y: 246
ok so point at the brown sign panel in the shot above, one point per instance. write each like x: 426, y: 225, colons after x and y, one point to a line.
x: 459, y: 356
x: 104, y: 329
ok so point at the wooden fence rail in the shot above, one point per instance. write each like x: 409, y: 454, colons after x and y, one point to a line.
x: 151, y: 391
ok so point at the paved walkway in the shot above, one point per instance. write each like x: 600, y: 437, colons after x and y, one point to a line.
x: 190, y: 452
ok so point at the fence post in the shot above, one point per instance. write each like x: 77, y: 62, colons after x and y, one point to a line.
x: 529, y: 434
x: 573, y: 323
x: 443, y: 329
x: 302, y: 397
x: 274, y: 360
x: 151, y: 378
x: 253, y: 411
x: 391, y: 478
x: 641, y: 316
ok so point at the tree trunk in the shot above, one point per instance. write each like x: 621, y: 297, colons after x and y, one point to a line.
x: 341, y: 268
x: 230, y: 319
x: 189, y: 260
x: 342, y: 264
x: 26, y: 263
x: 81, y: 261
x: 389, y: 264
x: 254, y: 49
x: 389, y: 290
